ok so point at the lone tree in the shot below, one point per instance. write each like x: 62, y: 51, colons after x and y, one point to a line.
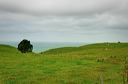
x: 25, y: 46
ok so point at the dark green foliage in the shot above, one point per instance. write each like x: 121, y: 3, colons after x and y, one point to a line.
x: 25, y: 46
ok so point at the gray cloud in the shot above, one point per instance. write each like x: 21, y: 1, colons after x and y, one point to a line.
x: 64, y: 20
x: 62, y: 7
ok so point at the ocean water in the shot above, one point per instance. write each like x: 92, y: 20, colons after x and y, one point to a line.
x: 43, y: 46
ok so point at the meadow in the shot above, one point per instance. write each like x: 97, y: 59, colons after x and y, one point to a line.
x: 100, y: 63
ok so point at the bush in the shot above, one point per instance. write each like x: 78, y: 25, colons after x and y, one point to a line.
x: 25, y: 46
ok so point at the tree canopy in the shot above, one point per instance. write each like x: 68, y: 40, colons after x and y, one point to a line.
x: 25, y: 46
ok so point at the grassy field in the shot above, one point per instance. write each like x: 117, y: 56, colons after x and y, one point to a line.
x: 90, y: 64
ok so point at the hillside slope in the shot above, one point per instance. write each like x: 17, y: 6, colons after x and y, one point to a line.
x: 89, y: 64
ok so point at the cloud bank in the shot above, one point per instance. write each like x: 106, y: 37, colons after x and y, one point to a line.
x: 64, y: 20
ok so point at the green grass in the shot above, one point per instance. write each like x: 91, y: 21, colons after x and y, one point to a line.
x: 69, y: 65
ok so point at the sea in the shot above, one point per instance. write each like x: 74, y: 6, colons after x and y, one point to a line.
x: 44, y: 46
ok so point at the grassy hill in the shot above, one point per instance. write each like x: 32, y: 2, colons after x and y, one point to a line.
x: 89, y: 64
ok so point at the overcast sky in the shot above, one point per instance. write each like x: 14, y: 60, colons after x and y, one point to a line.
x: 64, y: 20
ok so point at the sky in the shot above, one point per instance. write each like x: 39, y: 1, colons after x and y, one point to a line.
x: 64, y: 20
